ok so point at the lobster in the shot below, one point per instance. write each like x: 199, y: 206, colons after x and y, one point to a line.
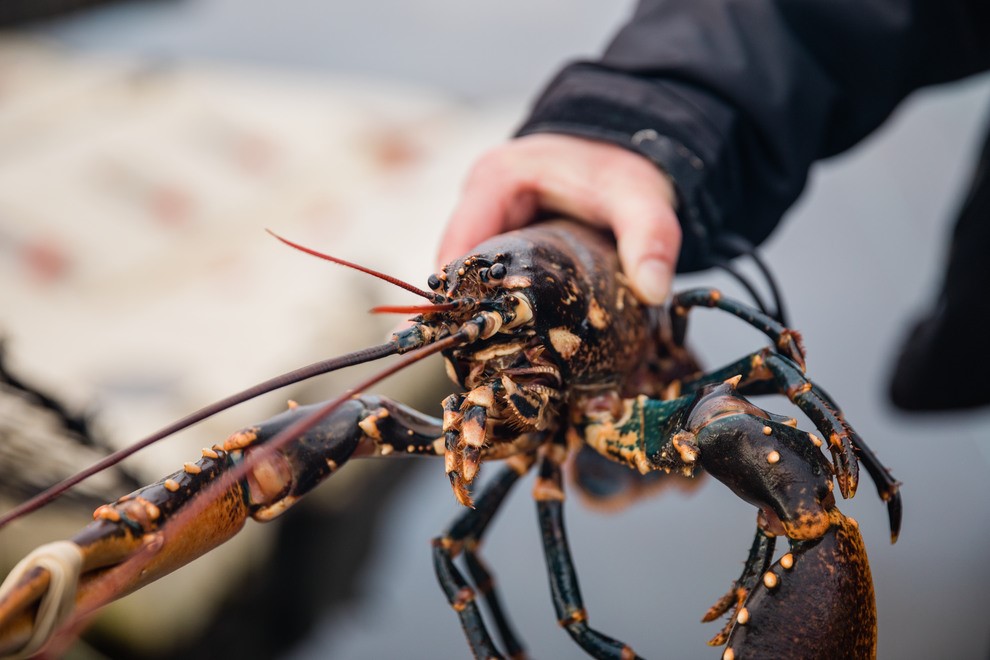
x: 560, y: 367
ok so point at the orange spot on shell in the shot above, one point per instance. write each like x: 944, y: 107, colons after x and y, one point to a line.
x: 106, y: 512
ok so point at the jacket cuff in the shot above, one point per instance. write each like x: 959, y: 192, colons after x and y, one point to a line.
x: 588, y: 101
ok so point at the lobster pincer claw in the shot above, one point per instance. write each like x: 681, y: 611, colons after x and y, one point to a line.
x: 70, y: 578
x: 816, y: 601
x: 61, y: 579
x: 767, y: 463
x: 152, y: 527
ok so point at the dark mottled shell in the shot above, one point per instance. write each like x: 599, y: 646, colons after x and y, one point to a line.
x: 586, y: 316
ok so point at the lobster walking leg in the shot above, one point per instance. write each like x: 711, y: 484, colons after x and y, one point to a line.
x: 787, y: 341
x: 464, y: 535
x: 564, y: 588
x: 757, y: 563
x: 453, y: 457
x: 781, y: 375
x: 817, y: 404
x: 766, y: 372
x: 814, y: 401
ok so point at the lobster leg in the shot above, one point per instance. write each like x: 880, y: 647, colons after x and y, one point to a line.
x: 766, y: 372
x: 815, y: 403
x: 564, y: 588
x: 787, y: 341
x: 97, y: 570
x: 464, y: 535
x: 453, y: 457
x: 757, y: 563
x: 788, y: 378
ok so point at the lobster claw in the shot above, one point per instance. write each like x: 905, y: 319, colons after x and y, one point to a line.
x: 148, y: 534
x: 817, y: 601
x: 164, y: 526
x: 66, y: 579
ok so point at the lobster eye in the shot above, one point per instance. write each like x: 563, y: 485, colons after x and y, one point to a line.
x: 496, y: 272
x: 434, y: 282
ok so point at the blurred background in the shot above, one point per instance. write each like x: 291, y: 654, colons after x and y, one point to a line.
x: 145, y: 145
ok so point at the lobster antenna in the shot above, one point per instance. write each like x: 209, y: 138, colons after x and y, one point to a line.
x: 382, y: 276
x: 740, y: 245
x: 746, y: 284
x: 778, y: 299
x: 121, y: 573
x: 315, y: 369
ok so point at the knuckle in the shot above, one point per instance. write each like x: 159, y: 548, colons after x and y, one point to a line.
x: 494, y: 163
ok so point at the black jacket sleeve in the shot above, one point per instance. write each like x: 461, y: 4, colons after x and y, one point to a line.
x: 735, y: 99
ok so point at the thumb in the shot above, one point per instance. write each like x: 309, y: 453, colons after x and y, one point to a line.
x: 648, y: 253
x: 649, y: 241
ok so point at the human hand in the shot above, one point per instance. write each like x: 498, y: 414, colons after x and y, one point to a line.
x: 595, y: 182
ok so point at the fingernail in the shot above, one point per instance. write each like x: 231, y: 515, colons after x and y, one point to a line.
x: 652, y: 281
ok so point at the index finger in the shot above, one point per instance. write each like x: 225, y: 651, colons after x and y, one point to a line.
x: 487, y: 207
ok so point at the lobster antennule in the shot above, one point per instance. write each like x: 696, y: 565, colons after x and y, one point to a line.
x: 303, y: 373
x: 364, y: 269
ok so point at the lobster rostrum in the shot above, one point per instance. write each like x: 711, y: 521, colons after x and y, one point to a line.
x: 561, y: 367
